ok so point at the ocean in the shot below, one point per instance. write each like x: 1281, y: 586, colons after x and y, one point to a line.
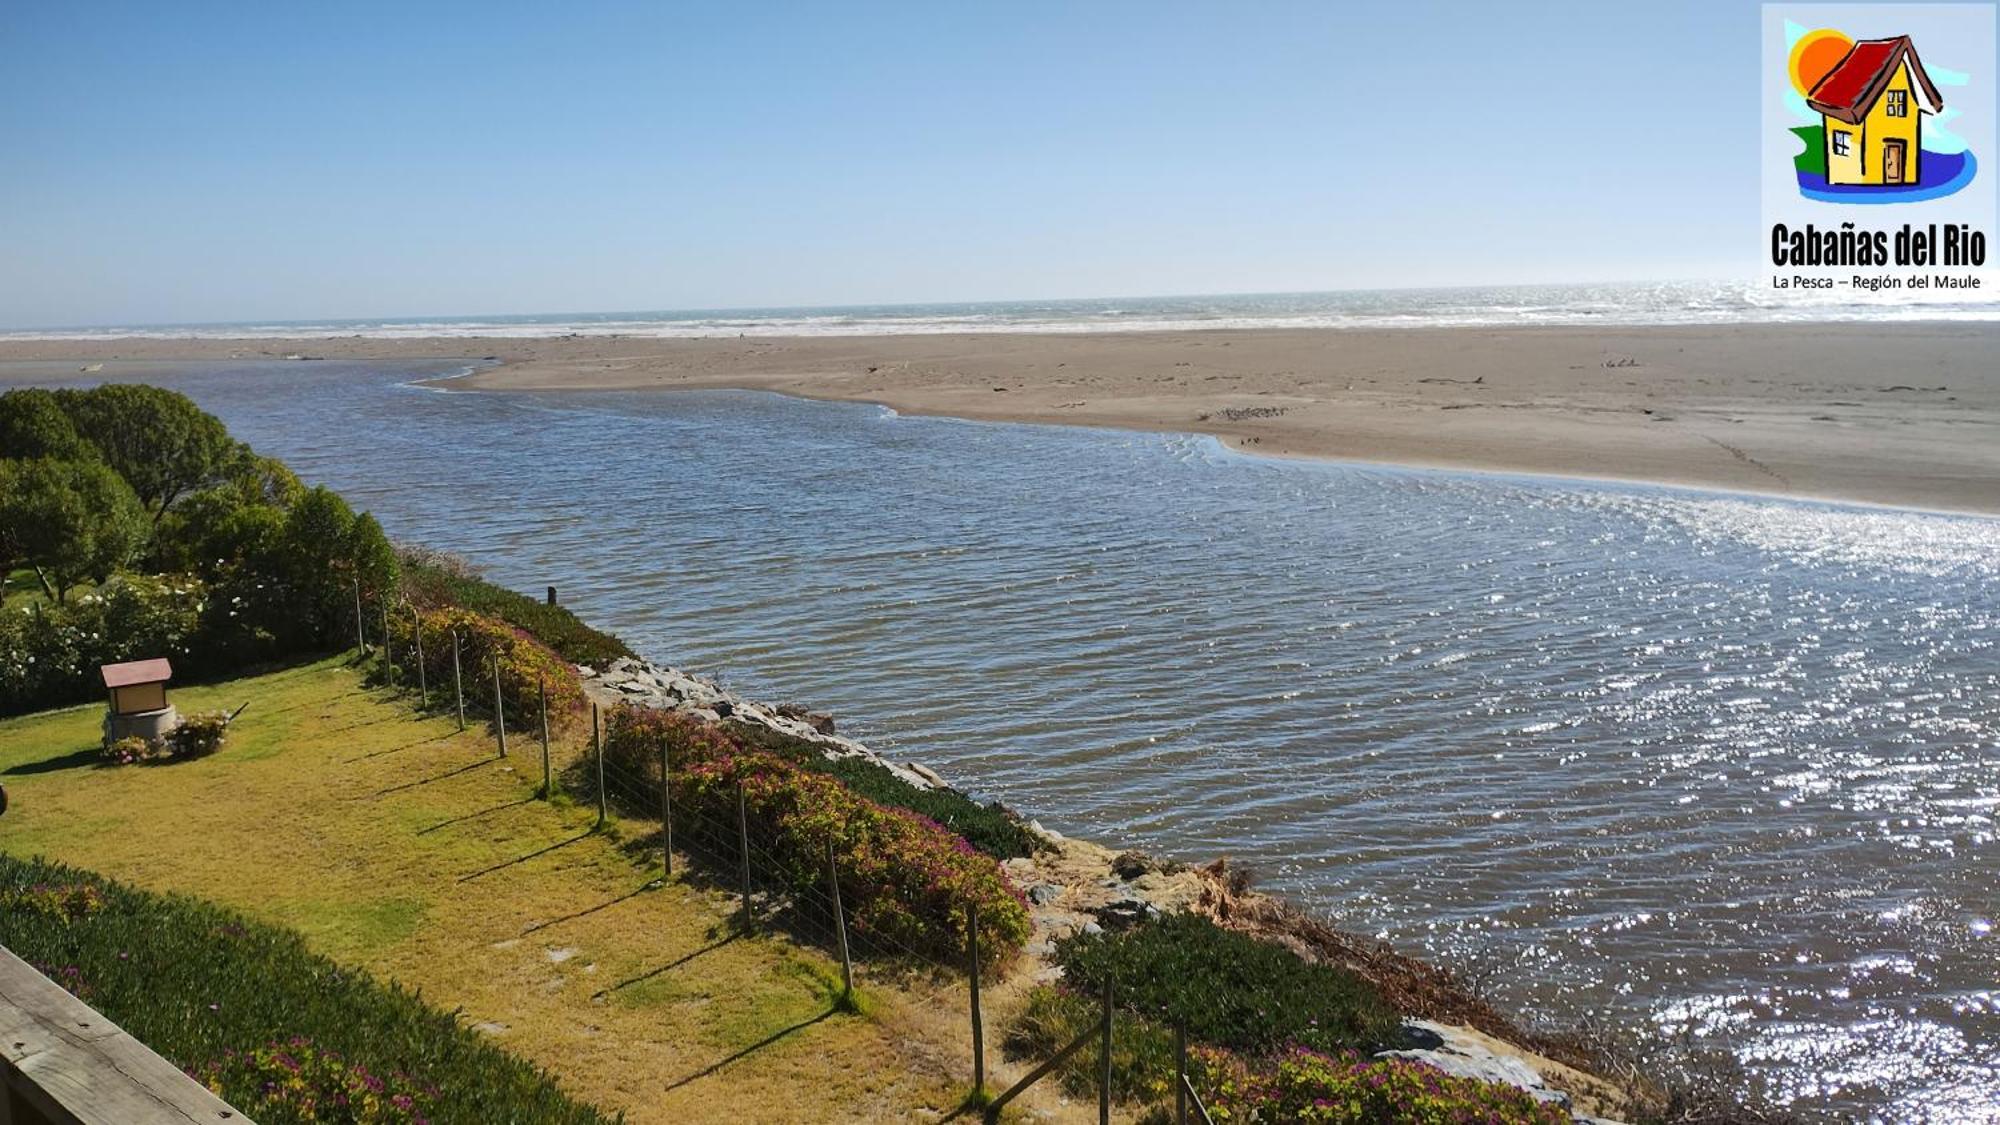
x: 1656, y: 303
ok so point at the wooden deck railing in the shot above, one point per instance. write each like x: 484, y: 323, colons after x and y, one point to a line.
x: 62, y: 1063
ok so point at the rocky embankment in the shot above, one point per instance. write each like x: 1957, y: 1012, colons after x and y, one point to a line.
x: 1075, y: 885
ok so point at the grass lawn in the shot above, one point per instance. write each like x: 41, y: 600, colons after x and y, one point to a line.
x: 395, y: 843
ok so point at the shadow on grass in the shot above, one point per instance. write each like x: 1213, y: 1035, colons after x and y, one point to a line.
x: 649, y: 885
x: 397, y: 749
x: 488, y: 811
x: 670, y: 966
x: 504, y: 864
x: 750, y: 1050
x: 434, y: 778
x: 74, y: 760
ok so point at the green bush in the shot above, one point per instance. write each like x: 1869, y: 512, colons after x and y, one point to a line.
x: 198, y: 735
x: 49, y: 654
x: 1312, y: 1088
x: 903, y: 878
x: 204, y: 986
x: 526, y: 665
x: 990, y: 827
x: 1142, y: 1052
x: 1227, y: 988
x: 130, y: 751
x: 432, y: 582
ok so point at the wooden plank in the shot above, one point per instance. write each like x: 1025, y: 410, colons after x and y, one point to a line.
x: 65, y: 1061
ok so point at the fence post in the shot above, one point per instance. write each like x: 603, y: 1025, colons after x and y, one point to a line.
x: 388, y: 648
x: 978, y: 1025
x: 499, y: 707
x: 1104, y: 1061
x: 360, y: 637
x: 542, y: 695
x: 840, y: 930
x: 666, y: 811
x: 457, y: 680
x: 423, y: 679
x: 743, y: 848
x: 597, y: 740
x: 1180, y: 1073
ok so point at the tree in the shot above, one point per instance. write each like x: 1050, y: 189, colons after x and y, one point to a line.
x: 69, y: 520
x: 158, y: 440
x: 321, y: 552
x: 33, y: 424
x: 228, y: 525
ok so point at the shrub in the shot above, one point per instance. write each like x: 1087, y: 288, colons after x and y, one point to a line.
x: 130, y: 751
x: 525, y: 664
x: 991, y: 828
x: 301, y: 1080
x: 434, y: 581
x: 49, y: 654
x: 1227, y: 988
x: 198, y: 735
x: 1142, y: 1052
x: 904, y: 879
x: 1312, y: 1088
x: 209, y: 989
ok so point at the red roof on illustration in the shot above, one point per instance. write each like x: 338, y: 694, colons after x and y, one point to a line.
x: 152, y: 671
x: 1851, y: 87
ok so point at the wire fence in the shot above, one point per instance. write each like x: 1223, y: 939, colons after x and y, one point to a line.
x: 737, y: 855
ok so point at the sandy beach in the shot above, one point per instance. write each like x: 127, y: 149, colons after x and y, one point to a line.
x: 1904, y: 415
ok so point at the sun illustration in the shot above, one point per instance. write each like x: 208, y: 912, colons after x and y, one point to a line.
x: 1816, y: 53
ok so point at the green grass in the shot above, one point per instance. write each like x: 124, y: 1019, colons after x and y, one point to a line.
x: 553, y: 625
x: 193, y: 981
x: 393, y: 844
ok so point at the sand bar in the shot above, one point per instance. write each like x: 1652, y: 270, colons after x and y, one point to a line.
x: 1905, y: 415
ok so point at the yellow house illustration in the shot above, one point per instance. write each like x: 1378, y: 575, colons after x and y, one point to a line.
x: 1872, y: 103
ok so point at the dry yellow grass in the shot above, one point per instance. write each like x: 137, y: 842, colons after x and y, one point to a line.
x: 396, y: 843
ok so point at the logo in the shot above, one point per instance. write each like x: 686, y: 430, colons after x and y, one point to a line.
x: 1870, y: 99
x: 1876, y: 118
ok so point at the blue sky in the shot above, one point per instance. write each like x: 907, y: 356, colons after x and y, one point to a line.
x: 197, y: 162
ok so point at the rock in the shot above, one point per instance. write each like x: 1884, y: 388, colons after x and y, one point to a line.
x: 1418, y: 1037
x: 1125, y: 913
x: 724, y: 708
x: 1131, y: 865
x: 1460, y: 1054
x: 928, y: 774
x: 1041, y: 894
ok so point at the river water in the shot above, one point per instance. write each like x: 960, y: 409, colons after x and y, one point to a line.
x: 1701, y: 760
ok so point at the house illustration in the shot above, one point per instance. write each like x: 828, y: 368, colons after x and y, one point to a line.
x: 1872, y: 103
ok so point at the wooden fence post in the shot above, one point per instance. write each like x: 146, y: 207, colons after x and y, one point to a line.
x: 388, y: 648
x: 499, y: 707
x: 423, y: 679
x: 1180, y: 1073
x: 743, y: 849
x: 597, y: 740
x: 360, y: 637
x: 978, y: 1025
x: 457, y: 681
x: 1104, y: 1060
x: 666, y: 811
x: 840, y: 930
x: 542, y: 694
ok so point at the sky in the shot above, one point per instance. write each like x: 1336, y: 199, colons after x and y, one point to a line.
x: 202, y: 162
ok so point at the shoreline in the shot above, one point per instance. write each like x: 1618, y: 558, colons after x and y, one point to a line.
x: 1903, y: 416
